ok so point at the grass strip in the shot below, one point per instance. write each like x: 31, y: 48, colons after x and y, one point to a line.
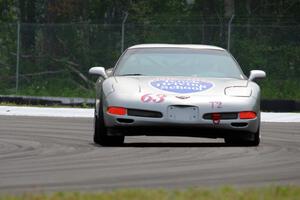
x: 224, y: 193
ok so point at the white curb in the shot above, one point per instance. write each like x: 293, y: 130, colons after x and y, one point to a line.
x: 46, y: 112
x: 89, y: 113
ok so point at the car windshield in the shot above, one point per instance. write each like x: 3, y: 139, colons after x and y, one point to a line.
x: 178, y: 62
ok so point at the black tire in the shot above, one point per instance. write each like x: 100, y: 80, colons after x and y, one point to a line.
x: 244, y: 142
x: 100, y: 132
x: 256, y: 140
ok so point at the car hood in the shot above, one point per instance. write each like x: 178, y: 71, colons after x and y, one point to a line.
x: 174, y: 85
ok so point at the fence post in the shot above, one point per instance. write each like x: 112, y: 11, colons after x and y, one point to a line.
x: 203, y: 31
x: 123, y: 32
x: 229, y: 33
x: 18, y: 56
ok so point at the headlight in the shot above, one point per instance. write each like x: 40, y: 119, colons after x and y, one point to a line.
x: 238, y: 91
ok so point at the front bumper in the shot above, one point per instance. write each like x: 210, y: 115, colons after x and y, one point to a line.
x: 145, y: 126
x: 167, y: 125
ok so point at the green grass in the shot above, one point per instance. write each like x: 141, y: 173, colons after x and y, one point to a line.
x: 59, y: 86
x: 226, y: 193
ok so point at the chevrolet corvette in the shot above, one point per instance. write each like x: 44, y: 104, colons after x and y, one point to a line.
x: 177, y: 90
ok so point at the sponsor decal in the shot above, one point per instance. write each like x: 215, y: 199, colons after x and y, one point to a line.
x: 153, y: 98
x: 181, y: 86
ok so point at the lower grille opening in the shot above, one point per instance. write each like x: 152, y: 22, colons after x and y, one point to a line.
x: 144, y: 113
x: 239, y: 124
x: 127, y: 121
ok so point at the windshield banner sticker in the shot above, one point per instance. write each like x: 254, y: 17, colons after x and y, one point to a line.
x: 181, y: 86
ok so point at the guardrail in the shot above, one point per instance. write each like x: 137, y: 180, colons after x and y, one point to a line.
x: 47, y: 101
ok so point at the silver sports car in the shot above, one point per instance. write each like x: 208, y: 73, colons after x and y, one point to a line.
x: 177, y: 90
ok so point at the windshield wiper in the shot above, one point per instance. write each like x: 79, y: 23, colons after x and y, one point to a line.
x: 131, y: 75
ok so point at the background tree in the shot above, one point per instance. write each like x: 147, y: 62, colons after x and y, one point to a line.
x: 61, y: 39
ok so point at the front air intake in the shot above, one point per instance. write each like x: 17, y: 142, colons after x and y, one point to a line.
x: 125, y: 121
x: 239, y: 124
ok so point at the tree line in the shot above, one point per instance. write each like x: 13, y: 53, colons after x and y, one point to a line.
x: 166, y: 11
x: 61, y: 39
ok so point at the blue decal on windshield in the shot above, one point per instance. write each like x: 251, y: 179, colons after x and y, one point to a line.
x: 181, y: 86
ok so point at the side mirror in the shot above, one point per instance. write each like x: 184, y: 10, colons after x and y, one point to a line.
x: 98, y: 71
x: 256, y: 74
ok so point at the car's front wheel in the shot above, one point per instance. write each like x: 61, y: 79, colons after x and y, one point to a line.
x: 100, y: 132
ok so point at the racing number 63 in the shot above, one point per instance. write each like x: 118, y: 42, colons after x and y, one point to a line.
x: 155, y: 98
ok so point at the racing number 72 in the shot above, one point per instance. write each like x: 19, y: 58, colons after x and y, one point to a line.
x: 216, y: 104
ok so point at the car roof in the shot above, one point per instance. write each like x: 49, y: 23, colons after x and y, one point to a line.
x: 190, y: 46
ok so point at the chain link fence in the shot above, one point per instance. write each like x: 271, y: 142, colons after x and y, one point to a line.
x: 54, y: 58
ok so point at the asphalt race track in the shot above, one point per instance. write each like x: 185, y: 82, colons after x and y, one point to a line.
x: 53, y: 154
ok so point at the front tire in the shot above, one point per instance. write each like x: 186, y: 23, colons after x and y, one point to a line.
x: 100, y: 132
x: 254, y: 141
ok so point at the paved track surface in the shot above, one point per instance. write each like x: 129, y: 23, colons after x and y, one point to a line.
x: 43, y: 154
